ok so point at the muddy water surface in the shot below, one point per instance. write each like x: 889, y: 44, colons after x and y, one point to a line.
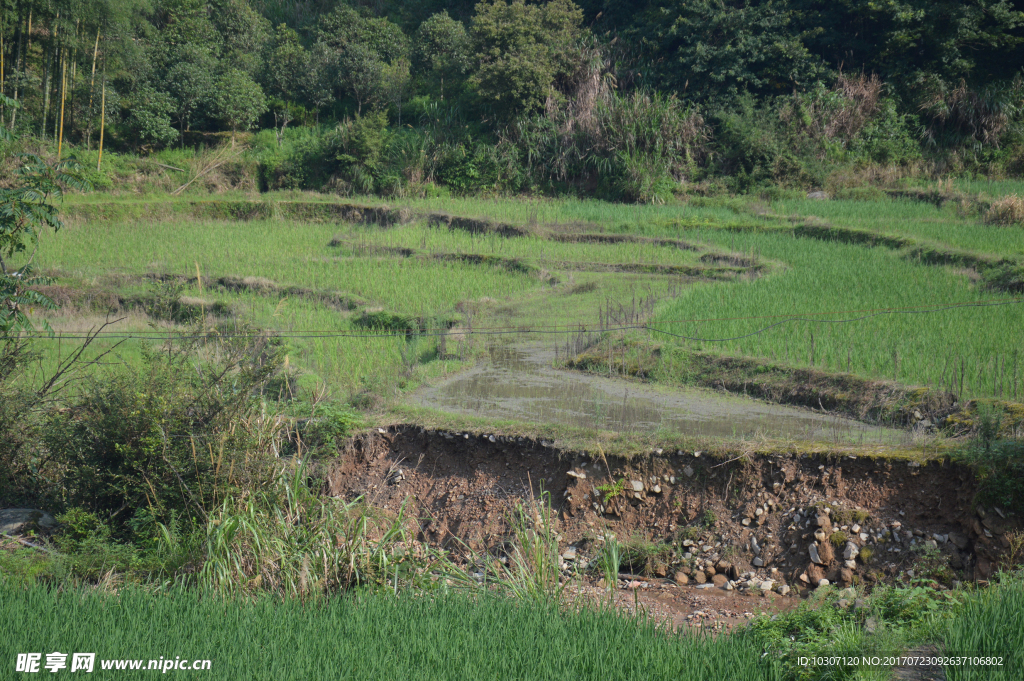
x: 518, y: 382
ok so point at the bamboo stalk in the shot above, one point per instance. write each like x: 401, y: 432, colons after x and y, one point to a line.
x: 58, y: 76
x: 103, y: 114
x: 63, y: 96
x: 47, y: 75
x: 74, y: 73
x: 17, y: 60
x: 92, y: 89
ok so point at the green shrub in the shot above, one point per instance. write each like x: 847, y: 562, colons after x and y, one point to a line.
x: 641, y: 556
x: 331, y: 423
x: 77, y: 525
x: 170, y: 435
x: 380, y: 320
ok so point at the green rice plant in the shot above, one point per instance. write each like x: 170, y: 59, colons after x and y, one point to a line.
x: 965, y: 350
x: 906, y: 217
x: 369, y: 635
x: 988, y: 624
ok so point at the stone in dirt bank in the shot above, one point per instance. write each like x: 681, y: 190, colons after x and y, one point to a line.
x: 781, y: 523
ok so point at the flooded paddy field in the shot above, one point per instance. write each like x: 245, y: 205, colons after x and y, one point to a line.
x: 522, y: 383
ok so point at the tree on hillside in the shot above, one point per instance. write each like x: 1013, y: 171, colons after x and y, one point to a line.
x: 395, y: 84
x: 361, y: 72
x: 287, y: 65
x: 345, y: 27
x: 715, y: 50
x: 317, y: 82
x: 520, y: 51
x: 149, y: 116
x: 244, y: 32
x: 365, y: 48
x: 240, y: 101
x: 441, y: 50
x: 190, y: 82
x: 181, y: 22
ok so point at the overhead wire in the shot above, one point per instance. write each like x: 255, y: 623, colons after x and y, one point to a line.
x: 812, y: 317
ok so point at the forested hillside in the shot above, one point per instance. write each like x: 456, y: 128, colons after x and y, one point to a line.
x: 623, y: 100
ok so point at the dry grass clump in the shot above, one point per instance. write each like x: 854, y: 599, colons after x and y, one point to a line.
x: 860, y: 102
x: 1008, y: 210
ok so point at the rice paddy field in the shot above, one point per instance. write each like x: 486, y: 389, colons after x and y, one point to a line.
x: 863, y: 308
x: 372, y: 637
x: 373, y: 299
x: 460, y: 635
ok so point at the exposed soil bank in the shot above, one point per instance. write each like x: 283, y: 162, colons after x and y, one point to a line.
x: 736, y: 525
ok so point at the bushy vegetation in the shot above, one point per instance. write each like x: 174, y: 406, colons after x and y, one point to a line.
x: 891, y: 621
x: 525, y: 97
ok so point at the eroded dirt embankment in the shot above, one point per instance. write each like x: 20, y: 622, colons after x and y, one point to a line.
x: 789, y: 520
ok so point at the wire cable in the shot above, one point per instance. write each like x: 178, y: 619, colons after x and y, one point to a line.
x: 578, y: 328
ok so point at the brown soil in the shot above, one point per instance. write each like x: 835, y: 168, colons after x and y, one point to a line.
x: 461, y: 488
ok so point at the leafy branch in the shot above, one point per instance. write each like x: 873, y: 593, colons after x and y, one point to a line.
x: 26, y: 212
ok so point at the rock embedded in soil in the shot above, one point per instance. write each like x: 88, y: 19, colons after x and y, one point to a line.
x: 20, y: 521
x: 489, y: 475
x: 813, y: 551
x: 682, y: 579
x: 958, y: 540
x: 699, y: 577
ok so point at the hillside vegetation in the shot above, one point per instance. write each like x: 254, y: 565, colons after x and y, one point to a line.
x: 587, y: 99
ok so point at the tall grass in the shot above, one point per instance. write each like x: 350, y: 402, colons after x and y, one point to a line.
x: 292, y: 542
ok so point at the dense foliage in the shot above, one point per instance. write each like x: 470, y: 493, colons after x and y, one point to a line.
x: 470, y: 97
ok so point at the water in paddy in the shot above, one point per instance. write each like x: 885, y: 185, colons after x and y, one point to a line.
x: 519, y: 383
